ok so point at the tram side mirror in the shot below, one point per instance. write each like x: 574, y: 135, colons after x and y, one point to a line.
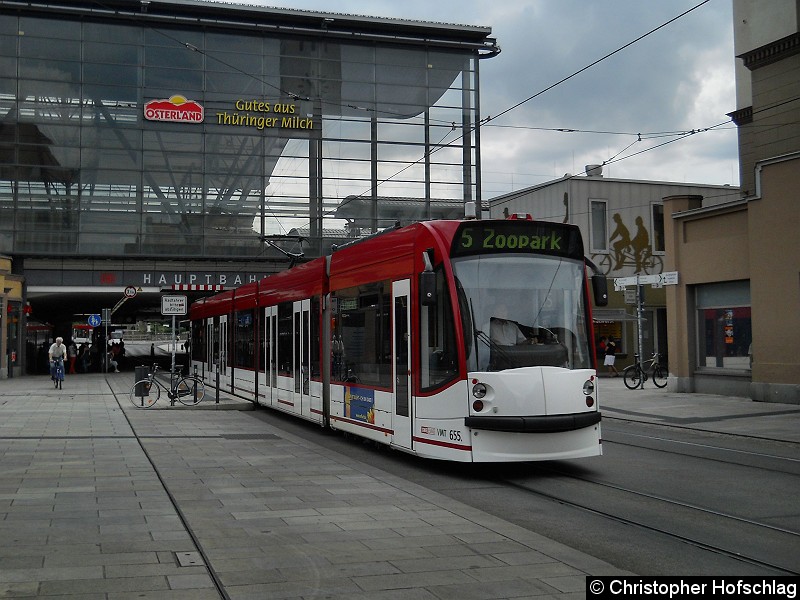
x: 427, y: 288
x: 600, y: 289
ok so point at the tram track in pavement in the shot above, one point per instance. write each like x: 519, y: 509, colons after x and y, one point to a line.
x: 695, y: 427
x: 786, y: 465
x: 694, y: 541
x: 719, y: 530
x: 689, y: 520
x: 215, y: 578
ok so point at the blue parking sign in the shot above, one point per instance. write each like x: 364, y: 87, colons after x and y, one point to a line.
x: 94, y: 320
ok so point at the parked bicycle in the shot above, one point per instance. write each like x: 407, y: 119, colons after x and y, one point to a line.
x: 57, y: 370
x: 188, y: 390
x: 636, y: 374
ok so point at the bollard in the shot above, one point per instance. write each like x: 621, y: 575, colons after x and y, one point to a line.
x: 140, y: 372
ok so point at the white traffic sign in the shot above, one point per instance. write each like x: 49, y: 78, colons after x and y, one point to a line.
x: 670, y: 278
x: 661, y: 279
x: 130, y: 292
x: 173, y: 305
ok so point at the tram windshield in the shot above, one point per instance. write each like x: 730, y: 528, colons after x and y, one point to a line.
x: 522, y: 311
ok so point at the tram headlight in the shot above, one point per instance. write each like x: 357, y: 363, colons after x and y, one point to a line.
x: 479, y: 390
x: 588, y: 387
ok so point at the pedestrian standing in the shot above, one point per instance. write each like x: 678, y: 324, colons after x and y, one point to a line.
x: 72, y: 354
x: 611, y: 351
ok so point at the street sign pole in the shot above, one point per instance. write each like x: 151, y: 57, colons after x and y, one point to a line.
x: 174, y: 345
x: 657, y: 281
x: 639, y: 311
x: 173, y: 305
x: 106, y: 318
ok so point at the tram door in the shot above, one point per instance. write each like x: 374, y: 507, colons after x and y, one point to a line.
x: 292, y: 357
x: 402, y: 408
x: 211, y: 341
x: 302, y: 358
x: 218, y: 350
x: 270, y: 367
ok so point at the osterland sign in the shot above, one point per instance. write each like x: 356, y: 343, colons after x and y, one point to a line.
x: 175, y: 110
x: 246, y: 113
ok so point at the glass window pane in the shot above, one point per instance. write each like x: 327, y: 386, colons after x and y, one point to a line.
x: 439, y: 351
x: 111, y: 74
x: 658, y: 228
x: 118, y: 34
x: 49, y: 28
x: 120, y: 54
x: 33, y: 47
x: 729, y: 293
x: 50, y: 70
x: 244, y: 339
x: 725, y: 338
x: 171, y: 79
x: 361, y: 342
x: 599, y: 235
x: 8, y: 47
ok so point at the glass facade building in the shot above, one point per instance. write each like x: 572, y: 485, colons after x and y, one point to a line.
x: 183, y: 130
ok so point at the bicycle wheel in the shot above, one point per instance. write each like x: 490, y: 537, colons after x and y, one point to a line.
x: 604, y: 263
x: 660, y: 376
x: 653, y: 265
x: 632, y: 376
x: 190, y: 391
x: 144, y: 393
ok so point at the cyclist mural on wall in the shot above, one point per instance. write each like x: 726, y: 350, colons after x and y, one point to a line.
x: 636, y: 252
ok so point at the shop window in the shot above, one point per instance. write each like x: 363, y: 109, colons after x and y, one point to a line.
x: 724, y: 326
x: 611, y: 329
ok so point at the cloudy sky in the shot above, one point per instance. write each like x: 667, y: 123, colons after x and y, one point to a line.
x: 678, y: 79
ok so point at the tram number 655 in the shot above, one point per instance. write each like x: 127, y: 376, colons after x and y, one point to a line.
x: 455, y: 435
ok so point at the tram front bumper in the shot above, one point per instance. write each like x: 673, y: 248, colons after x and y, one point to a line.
x: 534, y: 424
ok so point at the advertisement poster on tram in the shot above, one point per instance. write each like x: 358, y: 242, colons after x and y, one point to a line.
x: 359, y: 404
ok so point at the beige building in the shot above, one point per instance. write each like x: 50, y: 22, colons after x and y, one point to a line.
x: 739, y: 291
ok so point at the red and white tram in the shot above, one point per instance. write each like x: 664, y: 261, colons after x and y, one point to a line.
x: 457, y: 340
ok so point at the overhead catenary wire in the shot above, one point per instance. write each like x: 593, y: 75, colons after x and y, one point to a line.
x: 489, y: 119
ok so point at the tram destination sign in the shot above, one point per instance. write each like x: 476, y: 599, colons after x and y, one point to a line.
x: 173, y: 305
x: 517, y: 236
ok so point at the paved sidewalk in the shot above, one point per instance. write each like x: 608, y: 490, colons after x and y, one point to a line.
x: 706, y: 412
x: 102, y: 501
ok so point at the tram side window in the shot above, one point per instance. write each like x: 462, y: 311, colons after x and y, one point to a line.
x: 315, y: 338
x: 263, y: 343
x: 244, y: 339
x: 198, y: 341
x: 361, y: 335
x: 285, y: 339
x: 438, y: 348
